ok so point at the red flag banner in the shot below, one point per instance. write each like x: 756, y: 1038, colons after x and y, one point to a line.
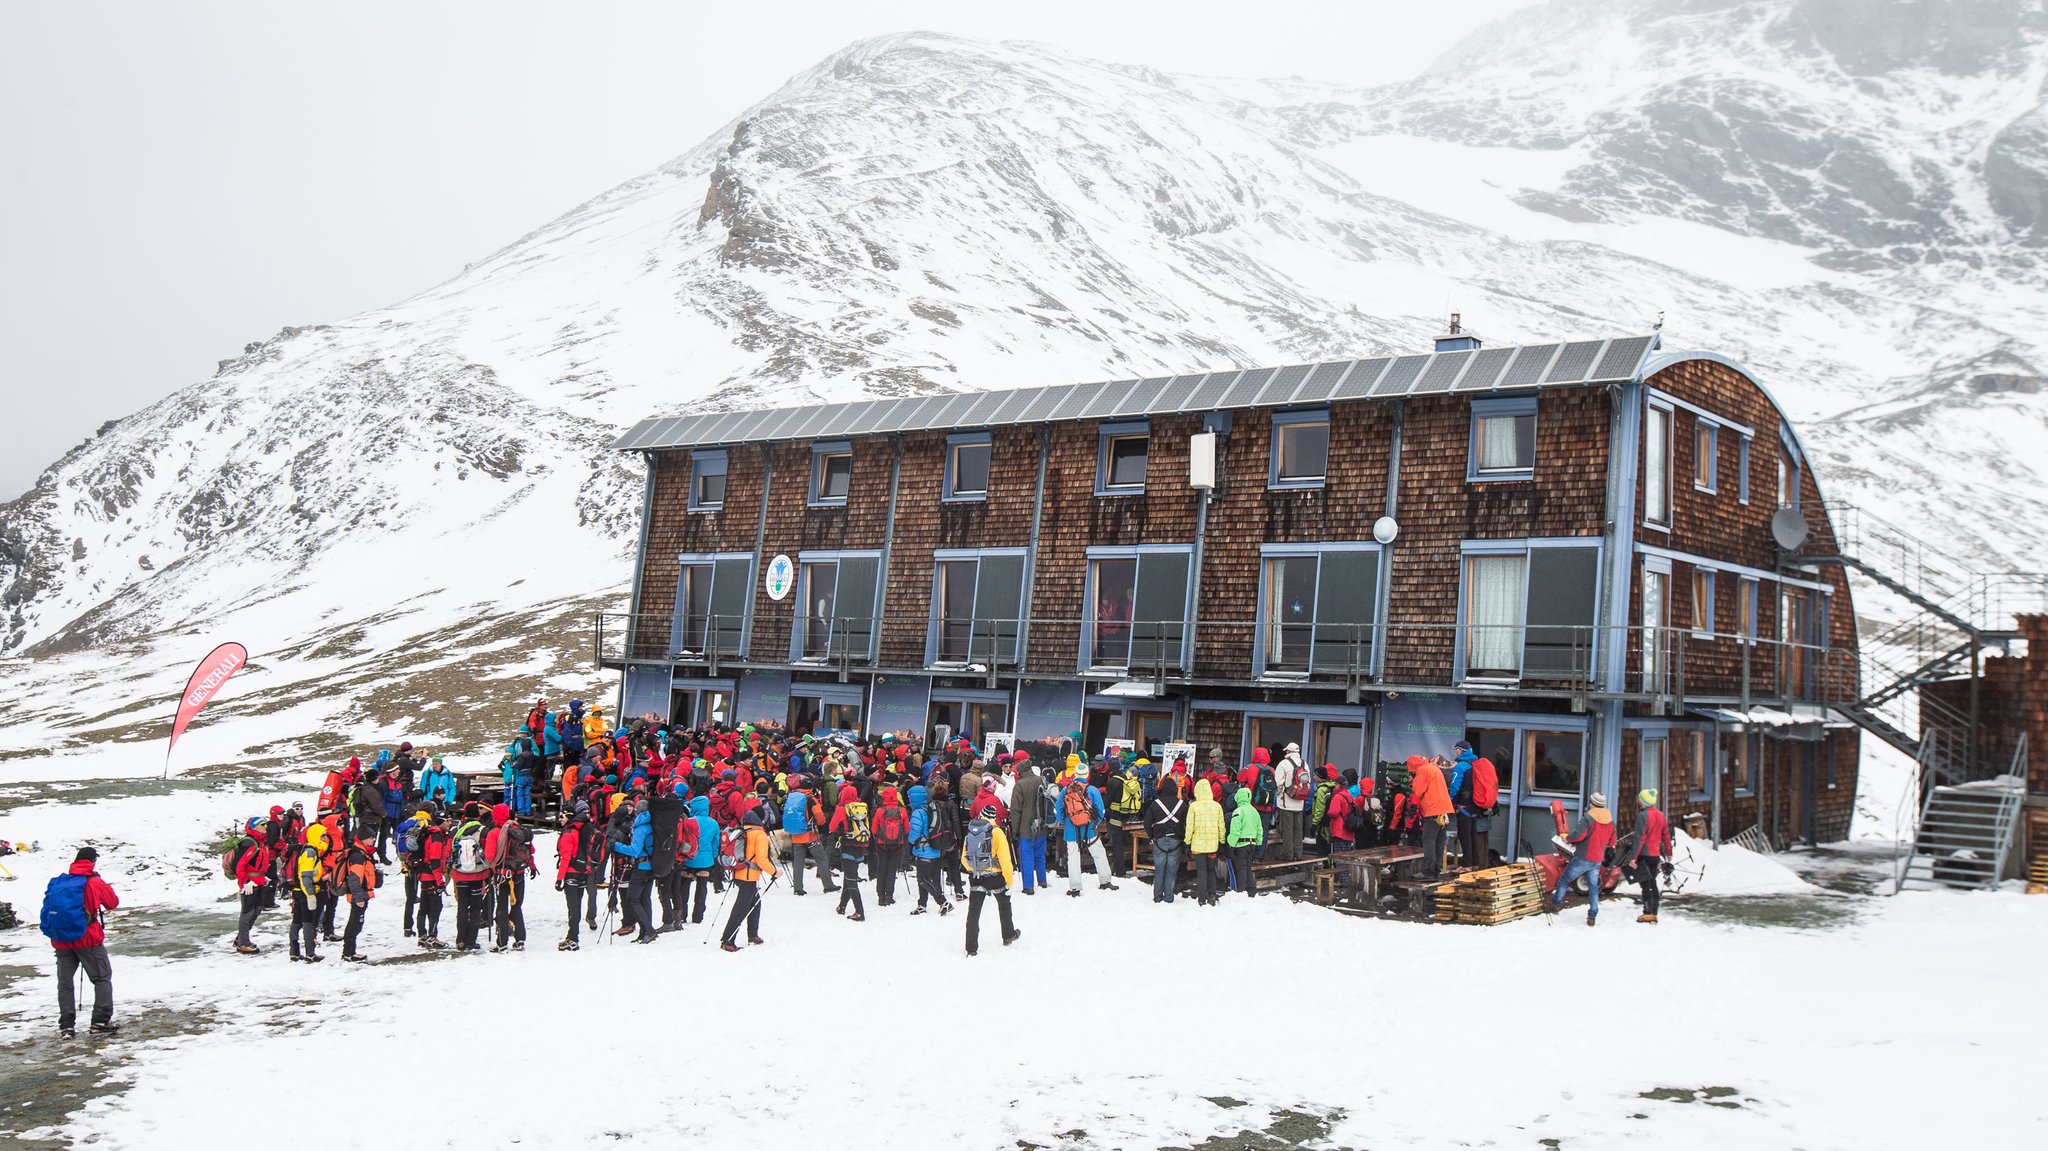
x: 207, y: 680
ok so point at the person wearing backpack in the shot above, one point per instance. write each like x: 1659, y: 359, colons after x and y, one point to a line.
x: 358, y: 885
x: 1431, y: 798
x: 801, y: 822
x: 471, y: 871
x: 1166, y: 824
x: 429, y: 867
x: 1027, y: 826
x: 1126, y: 813
x: 854, y: 833
x: 572, y: 869
x: 892, y: 838
x: 309, y: 879
x: 330, y: 865
x: 750, y: 864
x: 251, y: 862
x: 1319, y: 809
x: 1081, y: 815
x: 1246, y: 832
x: 411, y: 831
x: 437, y: 783
x: 509, y: 849
x: 985, y: 857
x: 639, y: 848
x: 665, y: 813
x: 75, y: 905
x: 1204, y: 839
x: 392, y: 810
x: 701, y: 873
x: 931, y: 837
x: 1292, y: 789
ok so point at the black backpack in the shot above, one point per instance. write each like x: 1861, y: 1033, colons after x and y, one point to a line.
x: 942, y: 825
x: 665, y: 815
x: 1262, y: 790
x: 517, y: 853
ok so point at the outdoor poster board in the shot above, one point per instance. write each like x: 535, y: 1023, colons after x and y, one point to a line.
x: 1116, y: 747
x: 1174, y: 756
x: 999, y: 743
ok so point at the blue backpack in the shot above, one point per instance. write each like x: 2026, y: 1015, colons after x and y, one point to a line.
x: 64, y: 919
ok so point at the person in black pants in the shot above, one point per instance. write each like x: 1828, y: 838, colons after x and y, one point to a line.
x: 746, y: 876
x: 986, y: 856
x: 469, y: 908
x: 511, y: 896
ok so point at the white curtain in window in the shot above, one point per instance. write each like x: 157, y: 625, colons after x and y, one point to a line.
x: 1493, y: 613
x: 1657, y: 465
x: 1497, y: 444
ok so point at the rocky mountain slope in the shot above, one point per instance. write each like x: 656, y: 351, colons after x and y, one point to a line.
x: 1850, y: 204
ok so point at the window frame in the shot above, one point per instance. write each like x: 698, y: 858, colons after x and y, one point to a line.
x: 943, y: 556
x: 1270, y: 552
x: 687, y: 560
x: 1503, y: 407
x: 1467, y: 549
x: 702, y: 463
x: 1742, y: 470
x: 1706, y: 432
x: 801, y: 615
x: 820, y: 454
x: 1655, y: 517
x: 1706, y: 574
x: 1085, y: 662
x: 950, y: 492
x: 1106, y: 434
x: 1284, y: 420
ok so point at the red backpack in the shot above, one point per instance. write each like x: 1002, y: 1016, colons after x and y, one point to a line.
x: 892, y: 826
x: 1079, y: 810
x: 1485, y: 786
x: 1303, y: 785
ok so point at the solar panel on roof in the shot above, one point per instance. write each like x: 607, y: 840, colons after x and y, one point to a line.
x: 865, y: 416
x: 1321, y: 379
x: 1527, y: 370
x: 1207, y: 397
x: 632, y: 437
x: 954, y: 415
x: 748, y: 427
x: 1139, y: 400
x: 1075, y: 398
x: 984, y: 406
x: 1105, y: 399
x: 1401, y: 374
x: 1248, y: 385
x: 785, y: 418
x: 820, y: 418
x: 1359, y: 381
x: 1622, y: 357
x: 1178, y: 394
x: 923, y: 412
x: 1484, y: 369
x: 1574, y: 362
x: 1443, y: 368
x: 1281, y: 388
x: 1013, y: 405
x: 706, y: 430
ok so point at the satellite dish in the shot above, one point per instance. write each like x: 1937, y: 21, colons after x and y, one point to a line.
x: 1788, y: 527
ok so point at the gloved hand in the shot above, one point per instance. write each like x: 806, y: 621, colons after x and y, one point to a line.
x: 1667, y: 869
x: 558, y: 885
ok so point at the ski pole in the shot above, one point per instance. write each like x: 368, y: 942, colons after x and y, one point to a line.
x: 724, y: 900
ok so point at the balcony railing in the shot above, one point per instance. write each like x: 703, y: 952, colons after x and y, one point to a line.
x: 1670, y: 665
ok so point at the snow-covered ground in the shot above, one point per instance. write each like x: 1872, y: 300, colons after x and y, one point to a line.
x: 1112, y: 1023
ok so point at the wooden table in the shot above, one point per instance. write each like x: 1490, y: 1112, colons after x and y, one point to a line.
x: 1370, y: 867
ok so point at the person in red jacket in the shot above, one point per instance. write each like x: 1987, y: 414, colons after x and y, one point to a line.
x: 89, y: 950
x: 1432, y: 800
x: 1589, y: 843
x: 252, y: 880
x: 1652, y: 853
x: 1340, y: 805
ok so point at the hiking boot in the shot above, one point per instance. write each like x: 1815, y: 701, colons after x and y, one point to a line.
x: 297, y: 958
x: 496, y: 948
x: 857, y: 917
x: 972, y: 952
x: 408, y: 933
x: 1646, y: 918
x: 248, y: 949
x: 945, y: 909
x: 1013, y: 937
x: 108, y: 1028
x: 355, y: 959
x: 728, y: 945
x: 917, y: 911
x: 591, y: 924
x: 1106, y: 886
x: 650, y: 937
x: 1031, y: 891
x: 1073, y: 893
x: 627, y: 930
x: 567, y: 945
x: 756, y: 940
x: 329, y: 937
x: 830, y: 888
x: 67, y: 1033
x: 1589, y: 921
x: 519, y: 945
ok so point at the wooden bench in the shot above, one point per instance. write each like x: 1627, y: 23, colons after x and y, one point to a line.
x: 1369, y: 868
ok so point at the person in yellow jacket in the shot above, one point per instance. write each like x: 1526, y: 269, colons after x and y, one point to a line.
x: 308, y: 877
x: 985, y: 856
x: 754, y: 861
x: 1204, y: 837
x: 595, y: 730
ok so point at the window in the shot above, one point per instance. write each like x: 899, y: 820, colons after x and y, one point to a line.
x: 1749, y: 622
x: 1795, y: 638
x: 1555, y: 764
x: 707, y: 481
x: 1528, y: 610
x: 1137, y: 607
x: 1656, y: 624
x: 1120, y: 466
x: 976, y: 598
x: 1342, y: 744
x: 1736, y: 759
x: 816, y: 714
x: 831, y: 473
x: 837, y: 612
x: 967, y: 459
x: 969, y: 719
x: 1651, y: 762
x: 712, y: 596
x: 1687, y: 770
x: 1702, y: 601
x: 1657, y: 466
x: 1784, y: 485
x: 1272, y: 733
x: 1742, y: 470
x: 1317, y: 608
x: 1301, y: 449
x: 1503, y: 445
x: 1705, y: 445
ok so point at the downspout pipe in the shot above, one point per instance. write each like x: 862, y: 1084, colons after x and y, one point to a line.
x: 888, y: 543
x: 1624, y: 466
x: 1030, y: 563
x: 1381, y: 611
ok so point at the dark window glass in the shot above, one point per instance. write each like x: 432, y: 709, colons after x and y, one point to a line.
x: 1345, y: 586
x: 710, y: 490
x: 1116, y: 586
x: 1290, y: 611
x: 1304, y: 451
x: 835, y: 476
x: 1127, y: 461
x: 1558, y: 643
x: 956, y: 609
x: 999, y: 588
x: 970, y: 469
x: 1162, y: 609
x: 821, y: 586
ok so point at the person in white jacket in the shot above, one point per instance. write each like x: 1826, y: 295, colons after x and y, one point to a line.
x: 1290, y: 778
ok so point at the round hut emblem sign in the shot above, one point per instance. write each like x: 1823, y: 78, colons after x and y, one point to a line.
x: 781, y: 575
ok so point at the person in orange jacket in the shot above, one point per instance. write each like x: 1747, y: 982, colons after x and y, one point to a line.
x: 1432, y: 799
x: 358, y: 886
x: 754, y: 861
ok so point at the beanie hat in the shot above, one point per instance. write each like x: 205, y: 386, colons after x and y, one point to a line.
x: 581, y: 810
x: 1599, y: 800
x: 1462, y: 745
x: 1647, y: 797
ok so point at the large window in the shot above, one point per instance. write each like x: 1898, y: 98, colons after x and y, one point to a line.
x: 831, y: 473
x: 969, y: 719
x: 967, y: 460
x: 1301, y: 449
x: 1736, y: 759
x: 1138, y: 607
x: 976, y: 598
x: 707, y: 481
x: 1503, y: 445
x: 1317, y: 609
x: 1657, y: 465
x: 1656, y: 635
x: 1651, y: 760
x: 837, y: 613
x: 1528, y: 610
x: 1121, y: 459
x: 712, y: 594
x: 1689, y: 763
x: 1556, y: 766
x: 1702, y: 601
x: 1705, y: 455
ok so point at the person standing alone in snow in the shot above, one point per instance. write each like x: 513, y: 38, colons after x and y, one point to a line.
x: 1652, y: 854
x: 74, y: 918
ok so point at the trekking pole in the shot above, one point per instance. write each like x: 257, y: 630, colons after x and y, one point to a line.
x: 723, y: 899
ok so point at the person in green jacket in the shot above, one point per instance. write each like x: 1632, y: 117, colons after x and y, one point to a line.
x: 1204, y: 836
x: 1247, y: 833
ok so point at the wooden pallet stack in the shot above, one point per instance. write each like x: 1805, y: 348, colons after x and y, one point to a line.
x: 1490, y: 897
x: 2037, y: 877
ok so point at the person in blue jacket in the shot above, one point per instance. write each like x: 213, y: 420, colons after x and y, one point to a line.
x: 639, y: 901
x: 1085, y: 838
x: 572, y: 734
x: 1462, y: 815
x: 700, y: 871
x: 437, y: 783
x: 924, y: 853
x: 394, y: 809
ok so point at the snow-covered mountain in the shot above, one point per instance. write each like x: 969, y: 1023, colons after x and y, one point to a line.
x: 1847, y: 196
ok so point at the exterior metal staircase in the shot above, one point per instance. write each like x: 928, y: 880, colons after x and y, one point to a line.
x: 1966, y: 832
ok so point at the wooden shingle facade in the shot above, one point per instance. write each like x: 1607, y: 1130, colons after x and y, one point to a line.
x: 1564, y: 552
